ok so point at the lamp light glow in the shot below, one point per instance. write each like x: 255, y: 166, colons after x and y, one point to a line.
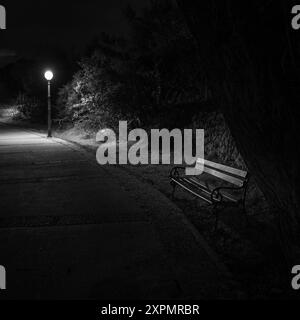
x: 49, y: 75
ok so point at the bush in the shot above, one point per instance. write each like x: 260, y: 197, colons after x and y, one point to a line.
x: 87, y: 101
x: 30, y: 108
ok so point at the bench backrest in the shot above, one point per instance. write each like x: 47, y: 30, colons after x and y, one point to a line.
x: 235, y: 176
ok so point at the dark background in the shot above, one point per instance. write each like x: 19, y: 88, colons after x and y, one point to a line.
x: 54, y: 35
x: 43, y: 27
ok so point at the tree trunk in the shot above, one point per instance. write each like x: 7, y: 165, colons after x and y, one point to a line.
x: 246, y: 55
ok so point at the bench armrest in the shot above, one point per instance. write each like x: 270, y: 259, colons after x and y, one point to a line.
x: 216, y: 195
x: 175, y: 171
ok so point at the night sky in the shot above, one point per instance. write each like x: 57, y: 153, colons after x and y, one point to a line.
x: 37, y: 28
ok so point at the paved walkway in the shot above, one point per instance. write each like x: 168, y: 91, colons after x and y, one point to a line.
x: 70, y: 228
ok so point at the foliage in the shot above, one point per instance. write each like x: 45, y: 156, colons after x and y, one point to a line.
x: 29, y: 108
x: 88, y: 98
x: 137, y: 78
x: 251, y: 60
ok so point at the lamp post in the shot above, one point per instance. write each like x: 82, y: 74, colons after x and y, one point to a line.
x: 49, y: 77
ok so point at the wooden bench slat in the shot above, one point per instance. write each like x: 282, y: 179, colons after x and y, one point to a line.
x: 192, y: 192
x: 190, y: 181
x: 202, y: 185
x: 223, y: 176
x: 228, y: 196
x: 218, y: 166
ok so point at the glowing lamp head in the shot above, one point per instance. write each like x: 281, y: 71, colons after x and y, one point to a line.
x: 49, y: 75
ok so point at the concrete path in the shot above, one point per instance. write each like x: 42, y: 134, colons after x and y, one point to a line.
x: 72, y: 229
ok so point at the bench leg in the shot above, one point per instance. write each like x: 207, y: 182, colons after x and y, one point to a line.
x: 216, y: 211
x: 173, y: 184
x: 245, y: 212
x: 217, y: 220
x: 244, y: 205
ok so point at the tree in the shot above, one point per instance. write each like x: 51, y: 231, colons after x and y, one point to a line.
x: 248, y: 55
x: 140, y: 77
x: 164, y: 53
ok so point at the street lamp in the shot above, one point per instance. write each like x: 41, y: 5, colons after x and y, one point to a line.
x: 49, y: 77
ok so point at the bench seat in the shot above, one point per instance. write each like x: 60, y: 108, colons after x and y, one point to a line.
x: 218, y: 185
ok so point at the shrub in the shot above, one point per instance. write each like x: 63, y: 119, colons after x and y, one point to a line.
x: 30, y: 108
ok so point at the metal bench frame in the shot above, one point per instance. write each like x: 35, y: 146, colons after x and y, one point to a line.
x: 217, y: 197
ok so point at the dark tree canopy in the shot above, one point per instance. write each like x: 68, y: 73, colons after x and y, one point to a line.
x: 250, y: 56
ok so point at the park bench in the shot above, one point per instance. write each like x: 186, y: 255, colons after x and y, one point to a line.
x: 218, y: 185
